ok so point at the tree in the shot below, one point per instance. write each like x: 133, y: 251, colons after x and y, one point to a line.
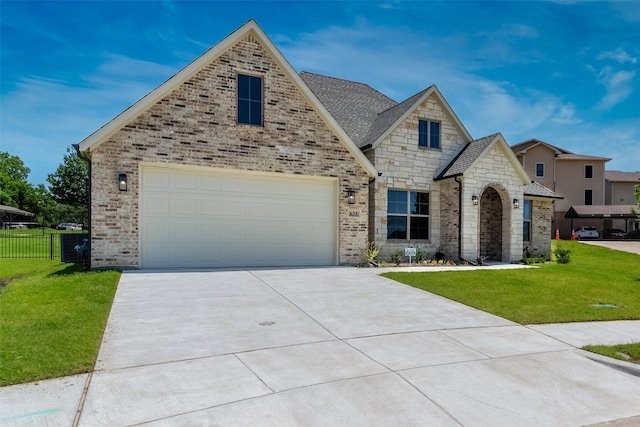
x: 14, y: 188
x: 69, y: 184
x: 635, y: 212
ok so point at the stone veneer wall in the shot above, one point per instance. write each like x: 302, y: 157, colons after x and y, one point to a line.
x: 496, y: 171
x: 541, y: 214
x: 196, y: 125
x: 405, y: 166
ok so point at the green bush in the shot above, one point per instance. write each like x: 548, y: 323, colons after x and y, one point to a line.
x: 562, y: 255
x: 420, y: 254
x: 396, y: 257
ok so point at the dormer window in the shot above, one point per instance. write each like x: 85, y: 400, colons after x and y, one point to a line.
x: 428, y: 134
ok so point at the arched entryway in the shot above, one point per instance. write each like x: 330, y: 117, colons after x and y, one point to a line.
x: 490, y: 225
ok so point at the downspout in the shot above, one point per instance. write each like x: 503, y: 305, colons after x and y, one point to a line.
x: 88, y: 160
x: 455, y: 178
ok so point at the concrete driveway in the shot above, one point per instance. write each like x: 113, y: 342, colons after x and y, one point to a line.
x: 324, y: 347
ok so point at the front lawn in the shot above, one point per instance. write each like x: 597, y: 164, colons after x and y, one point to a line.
x: 52, y: 318
x: 598, y: 284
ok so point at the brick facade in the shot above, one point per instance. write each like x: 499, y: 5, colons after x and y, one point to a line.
x: 195, y: 124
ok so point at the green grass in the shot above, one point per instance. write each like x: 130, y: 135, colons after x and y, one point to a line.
x: 547, y: 294
x: 627, y: 352
x: 52, y: 318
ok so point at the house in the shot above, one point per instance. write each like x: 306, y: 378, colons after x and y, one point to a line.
x: 620, y: 190
x: 579, y: 179
x: 237, y: 160
x: 230, y: 162
x: 437, y: 187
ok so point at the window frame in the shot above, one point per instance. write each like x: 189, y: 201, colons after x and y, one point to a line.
x: 588, y: 196
x: 585, y: 171
x: 406, y: 213
x: 527, y: 210
x: 425, y: 138
x: 543, y: 170
x: 241, y: 102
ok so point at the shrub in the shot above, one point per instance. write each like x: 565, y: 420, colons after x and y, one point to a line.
x: 562, y: 255
x: 396, y: 257
x: 420, y: 254
x: 370, y: 253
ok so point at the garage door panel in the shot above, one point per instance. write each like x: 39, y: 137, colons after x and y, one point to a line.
x: 206, y: 218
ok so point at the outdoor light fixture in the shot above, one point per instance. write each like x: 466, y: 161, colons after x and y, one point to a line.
x: 122, y: 182
x: 516, y: 203
x: 475, y: 200
x: 351, y: 197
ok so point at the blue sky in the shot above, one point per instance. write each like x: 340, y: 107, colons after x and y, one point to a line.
x: 566, y: 72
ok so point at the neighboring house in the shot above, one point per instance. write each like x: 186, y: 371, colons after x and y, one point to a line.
x: 239, y: 161
x: 620, y: 190
x: 579, y: 179
x: 437, y: 187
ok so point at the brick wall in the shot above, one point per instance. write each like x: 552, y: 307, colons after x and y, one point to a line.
x: 541, y: 215
x: 196, y: 125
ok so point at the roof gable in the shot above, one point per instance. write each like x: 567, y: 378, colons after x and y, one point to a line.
x: 523, y: 147
x: 250, y: 29
x: 474, y: 151
x: 391, y: 119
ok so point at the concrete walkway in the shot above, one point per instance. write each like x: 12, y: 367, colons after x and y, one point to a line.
x: 327, y: 347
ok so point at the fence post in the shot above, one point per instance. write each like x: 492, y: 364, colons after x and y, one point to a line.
x: 51, y: 245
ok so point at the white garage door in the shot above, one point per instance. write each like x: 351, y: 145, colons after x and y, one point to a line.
x: 205, y: 218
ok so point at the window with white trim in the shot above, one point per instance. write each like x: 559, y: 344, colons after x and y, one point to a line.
x: 588, y: 197
x: 407, y: 215
x: 539, y: 169
x: 588, y: 171
x: 428, y: 134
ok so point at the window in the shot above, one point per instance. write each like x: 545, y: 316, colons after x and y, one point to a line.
x: 588, y: 197
x: 539, y: 169
x: 249, y: 100
x: 428, y: 134
x: 588, y: 171
x: 407, y: 215
x: 526, y: 226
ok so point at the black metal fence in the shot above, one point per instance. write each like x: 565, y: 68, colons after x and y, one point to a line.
x: 41, y: 244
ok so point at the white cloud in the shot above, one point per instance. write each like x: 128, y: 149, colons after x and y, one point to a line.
x: 618, y: 55
x: 618, y: 86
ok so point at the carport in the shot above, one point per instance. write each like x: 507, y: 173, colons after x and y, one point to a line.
x: 606, y: 213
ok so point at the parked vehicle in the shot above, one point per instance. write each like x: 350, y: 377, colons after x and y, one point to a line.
x: 69, y: 226
x: 634, y: 235
x: 614, y: 233
x: 587, y: 233
x: 17, y: 226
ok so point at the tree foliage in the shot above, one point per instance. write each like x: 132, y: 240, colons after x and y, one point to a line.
x: 69, y: 184
x: 14, y: 188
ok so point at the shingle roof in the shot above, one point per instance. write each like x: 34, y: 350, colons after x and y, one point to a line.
x: 466, y: 157
x: 600, y: 211
x: 538, y: 190
x: 619, y: 176
x: 524, y: 146
x: 355, y: 106
x: 387, y: 118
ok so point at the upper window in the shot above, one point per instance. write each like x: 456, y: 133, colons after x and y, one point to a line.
x: 588, y: 171
x: 407, y: 215
x: 588, y: 197
x: 539, y: 169
x: 249, y: 100
x: 526, y: 229
x: 428, y: 134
